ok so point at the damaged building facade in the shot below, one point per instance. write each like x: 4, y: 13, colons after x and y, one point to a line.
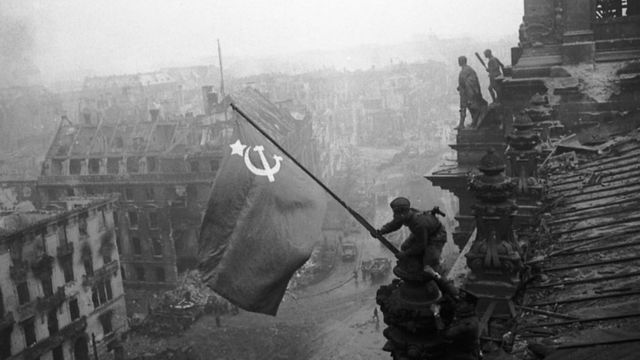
x: 61, y: 293
x: 162, y: 166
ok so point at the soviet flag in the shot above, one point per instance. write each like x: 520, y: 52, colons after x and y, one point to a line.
x: 262, y: 220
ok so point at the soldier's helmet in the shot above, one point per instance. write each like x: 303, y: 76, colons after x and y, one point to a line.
x: 400, y: 204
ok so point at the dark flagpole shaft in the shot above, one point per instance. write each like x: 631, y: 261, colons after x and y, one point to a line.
x: 353, y: 213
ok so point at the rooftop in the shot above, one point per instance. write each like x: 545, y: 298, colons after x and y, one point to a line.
x: 583, y: 297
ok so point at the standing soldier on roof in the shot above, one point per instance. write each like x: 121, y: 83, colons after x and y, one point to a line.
x: 423, y: 247
x: 470, y: 95
x: 495, y: 69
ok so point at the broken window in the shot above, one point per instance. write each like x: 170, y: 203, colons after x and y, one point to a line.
x: 23, y: 292
x: 137, y: 246
x: 66, y: 262
x: 74, y: 310
x: 194, y: 166
x: 56, y: 167
x: 128, y: 194
x: 57, y: 353
x: 5, y: 343
x: 140, y: 273
x: 105, y: 321
x: 113, y: 165
x: 75, y: 166
x: 102, y: 293
x: 108, y: 290
x: 153, y: 220
x: 133, y: 219
x: 160, y: 276
x: 152, y: 164
x: 29, y: 332
x: 94, y: 298
x: 47, y: 286
x: 62, y: 234
x: 88, y: 266
x: 133, y: 164
x: 118, y: 242
x: 214, y: 164
x: 94, y: 166
x: 102, y: 221
x: 52, y: 321
x: 82, y: 225
x: 122, y: 273
x: 148, y: 193
x: 157, y: 246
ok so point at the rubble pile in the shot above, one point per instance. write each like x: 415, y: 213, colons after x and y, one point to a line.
x: 182, y: 306
x: 183, y: 353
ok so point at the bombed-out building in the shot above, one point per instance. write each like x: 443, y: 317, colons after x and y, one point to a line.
x: 61, y: 290
x: 163, y: 167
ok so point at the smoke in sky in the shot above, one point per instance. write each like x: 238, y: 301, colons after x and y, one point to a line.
x: 16, y: 51
x: 76, y: 38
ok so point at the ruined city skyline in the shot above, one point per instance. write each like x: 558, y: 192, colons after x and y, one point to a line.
x: 75, y: 39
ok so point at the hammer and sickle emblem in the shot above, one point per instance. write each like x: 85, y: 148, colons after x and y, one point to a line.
x: 266, y: 170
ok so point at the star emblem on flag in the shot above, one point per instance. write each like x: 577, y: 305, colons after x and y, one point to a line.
x: 237, y: 148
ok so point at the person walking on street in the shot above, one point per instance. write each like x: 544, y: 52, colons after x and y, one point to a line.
x: 376, y: 318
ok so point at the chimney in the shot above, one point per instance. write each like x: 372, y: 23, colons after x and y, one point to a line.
x: 205, y: 98
x: 154, y: 114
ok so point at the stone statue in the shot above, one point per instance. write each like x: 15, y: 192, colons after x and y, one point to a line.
x: 470, y: 95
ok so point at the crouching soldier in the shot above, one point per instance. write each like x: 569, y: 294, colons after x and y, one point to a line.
x: 424, y: 246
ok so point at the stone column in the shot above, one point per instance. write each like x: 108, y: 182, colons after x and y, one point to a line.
x: 410, y: 307
x: 524, y: 156
x: 494, y: 257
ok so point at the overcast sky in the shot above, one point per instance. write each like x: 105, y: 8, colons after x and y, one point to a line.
x: 117, y: 36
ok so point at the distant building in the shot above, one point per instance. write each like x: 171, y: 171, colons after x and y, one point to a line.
x: 60, y: 283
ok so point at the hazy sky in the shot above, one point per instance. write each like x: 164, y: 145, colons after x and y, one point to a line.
x: 117, y: 36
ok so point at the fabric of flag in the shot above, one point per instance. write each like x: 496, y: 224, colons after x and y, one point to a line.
x: 262, y: 221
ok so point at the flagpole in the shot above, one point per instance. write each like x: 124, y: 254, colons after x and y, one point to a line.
x: 353, y: 213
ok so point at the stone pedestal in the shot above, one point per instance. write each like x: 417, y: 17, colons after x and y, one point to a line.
x: 524, y: 156
x: 411, y: 308
x: 494, y: 258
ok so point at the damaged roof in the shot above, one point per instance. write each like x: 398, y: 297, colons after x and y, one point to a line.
x: 583, y: 300
x: 169, y: 136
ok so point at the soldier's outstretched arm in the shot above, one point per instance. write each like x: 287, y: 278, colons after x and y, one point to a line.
x: 391, y: 226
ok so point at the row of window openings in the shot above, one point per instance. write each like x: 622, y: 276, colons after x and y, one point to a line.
x: 82, y: 227
x: 156, y: 245
x: 152, y: 217
x: 66, y: 263
x: 128, y: 194
x: 141, y: 274
x: 28, y: 326
x: 133, y: 166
